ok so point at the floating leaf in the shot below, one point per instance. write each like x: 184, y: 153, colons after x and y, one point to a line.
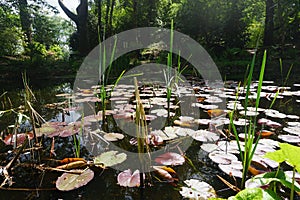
x: 73, y: 165
x: 197, y: 190
x: 233, y: 169
x: 205, y: 136
x: 110, y: 158
x: 127, y: 179
x: 74, y: 179
x: 154, y: 139
x: 215, y: 112
x: 170, y: 158
x: 166, y: 173
x: 274, y: 114
x: 221, y: 157
x: 265, y: 133
x: 21, y: 137
x: 113, y: 137
x: 290, y: 138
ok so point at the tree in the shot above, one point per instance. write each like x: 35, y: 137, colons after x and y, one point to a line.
x: 26, y: 20
x: 269, y: 23
x: 81, y: 21
x: 10, y: 32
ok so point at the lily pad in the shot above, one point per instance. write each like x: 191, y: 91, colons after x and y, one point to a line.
x: 129, y: 179
x: 233, y: 169
x: 110, y: 158
x: 170, y: 158
x: 205, y: 136
x: 74, y: 179
x: 221, y: 157
x: 197, y: 190
x: 113, y: 137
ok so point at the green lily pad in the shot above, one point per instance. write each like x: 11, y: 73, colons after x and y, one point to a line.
x: 110, y: 158
x: 70, y: 181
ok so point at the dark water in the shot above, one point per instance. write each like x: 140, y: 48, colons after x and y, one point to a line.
x: 104, y: 186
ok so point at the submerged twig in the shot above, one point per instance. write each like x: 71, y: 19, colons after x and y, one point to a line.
x: 6, y: 169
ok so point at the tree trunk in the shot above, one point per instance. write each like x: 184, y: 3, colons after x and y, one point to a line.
x: 135, y: 13
x: 110, y: 17
x: 152, y: 12
x: 99, y: 12
x: 106, y: 31
x: 269, y: 23
x: 81, y: 24
x: 26, y: 22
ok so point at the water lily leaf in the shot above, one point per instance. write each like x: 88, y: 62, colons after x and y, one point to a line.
x: 221, y: 157
x: 233, y: 169
x: 197, y: 190
x: 205, y: 136
x: 21, y: 137
x: 170, y: 158
x: 70, y: 181
x: 127, y: 179
x: 290, y: 138
x: 254, y: 194
x: 110, y: 158
x: 113, y: 137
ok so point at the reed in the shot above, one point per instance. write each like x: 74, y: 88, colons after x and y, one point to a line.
x: 250, y: 130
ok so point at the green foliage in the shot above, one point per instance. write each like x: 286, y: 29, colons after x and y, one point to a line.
x: 213, y: 23
x: 10, y: 34
x: 250, y: 130
x: 253, y: 194
x: 288, y: 153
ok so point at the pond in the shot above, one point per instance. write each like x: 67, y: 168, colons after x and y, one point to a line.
x: 190, y: 135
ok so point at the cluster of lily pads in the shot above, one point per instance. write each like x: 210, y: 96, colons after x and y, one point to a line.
x: 210, y: 129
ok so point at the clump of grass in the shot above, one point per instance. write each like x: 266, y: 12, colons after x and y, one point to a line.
x: 142, y: 135
x: 250, y: 130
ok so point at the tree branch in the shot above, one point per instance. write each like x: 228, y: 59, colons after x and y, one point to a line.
x: 70, y: 14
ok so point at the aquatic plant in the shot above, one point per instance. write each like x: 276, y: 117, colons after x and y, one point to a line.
x: 290, y: 154
x: 251, y: 142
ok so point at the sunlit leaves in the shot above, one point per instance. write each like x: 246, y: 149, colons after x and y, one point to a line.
x: 110, y: 158
x: 129, y: 179
x: 74, y: 179
x: 170, y: 158
x: 197, y: 189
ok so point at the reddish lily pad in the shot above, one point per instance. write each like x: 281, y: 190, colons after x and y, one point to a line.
x: 170, y: 158
x: 74, y: 179
x: 127, y: 179
x: 21, y: 137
